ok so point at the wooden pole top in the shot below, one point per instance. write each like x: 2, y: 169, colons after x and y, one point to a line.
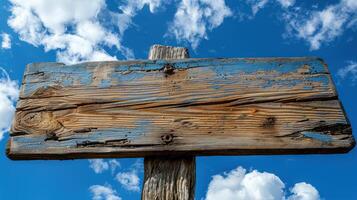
x: 160, y: 52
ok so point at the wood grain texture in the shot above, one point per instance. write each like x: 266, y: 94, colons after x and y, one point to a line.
x: 160, y: 52
x: 205, y: 106
x: 169, y: 178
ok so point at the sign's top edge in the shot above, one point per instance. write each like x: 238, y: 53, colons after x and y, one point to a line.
x: 260, y: 59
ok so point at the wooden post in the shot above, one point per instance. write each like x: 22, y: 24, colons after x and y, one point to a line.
x: 169, y: 178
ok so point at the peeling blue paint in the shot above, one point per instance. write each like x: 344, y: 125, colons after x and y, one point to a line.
x: 31, y: 143
x: 105, y: 83
x: 125, y: 71
x: 317, y: 136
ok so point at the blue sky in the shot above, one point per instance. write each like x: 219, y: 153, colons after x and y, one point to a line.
x: 76, y: 31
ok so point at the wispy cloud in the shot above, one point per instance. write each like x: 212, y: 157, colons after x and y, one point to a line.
x: 321, y: 26
x: 8, y: 96
x: 286, y: 3
x: 243, y: 185
x: 129, y: 180
x: 101, y: 165
x: 349, y: 71
x: 101, y: 192
x: 316, y: 27
x: 194, y: 18
x: 6, y: 41
x: 130, y: 10
x: 257, y: 5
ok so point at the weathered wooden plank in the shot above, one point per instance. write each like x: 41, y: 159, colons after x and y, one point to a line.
x: 192, y: 106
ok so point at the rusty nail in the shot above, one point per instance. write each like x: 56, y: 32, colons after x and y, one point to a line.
x: 168, y: 69
x: 167, y: 138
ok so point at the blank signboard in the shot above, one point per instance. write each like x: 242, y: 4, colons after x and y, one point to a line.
x: 231, y: 106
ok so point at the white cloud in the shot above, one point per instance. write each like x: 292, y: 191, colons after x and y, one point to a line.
x: 349, y: 70
x: 6, y: 41
x: 129, y: 180
x: 194, y: 18
x: 73, y: 28
x: 77, y: 30
x: 80, y: 32
x: 304, y: 191
x: 314, y: 26
x: 113, y: 164
x: 317, y: 27
x: 100, y: 165
x: 130, y: 9
x: 257, y: 5
x: 286, y: 3
x: 240, y: 185
x: 8, y: 95
x: 100, y: 192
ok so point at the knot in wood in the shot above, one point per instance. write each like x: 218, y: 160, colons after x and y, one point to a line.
x: 167, y: 138
x: 168, y: 69
x: 269, y: 122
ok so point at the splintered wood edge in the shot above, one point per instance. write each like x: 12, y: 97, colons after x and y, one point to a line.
x: 218, y: 152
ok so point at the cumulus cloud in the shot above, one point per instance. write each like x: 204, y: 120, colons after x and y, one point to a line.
x: 129, y: 180
x: 78, y: 30
x: 304, y: 191
x: 348, y: 71
x: 6, y: 41
x: 100, y: 192
x: 72, y: 28
x: 100, y: 165
x: 194, y: 18
x: 8, y: 95
x: 321, y: 26
x: 83, y: 31
x: 238, y: 184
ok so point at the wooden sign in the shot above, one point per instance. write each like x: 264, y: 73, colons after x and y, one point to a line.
x: 205, y: 106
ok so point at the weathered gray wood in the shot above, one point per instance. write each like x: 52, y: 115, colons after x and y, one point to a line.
x: 139, y: 108
x: 160, y: 52
x: 169, y: 178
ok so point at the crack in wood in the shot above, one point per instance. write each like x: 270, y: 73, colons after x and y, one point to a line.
x: 107, y: 143
x: 330, y: 129
x: 84, y: 130
x: 233, y: 103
